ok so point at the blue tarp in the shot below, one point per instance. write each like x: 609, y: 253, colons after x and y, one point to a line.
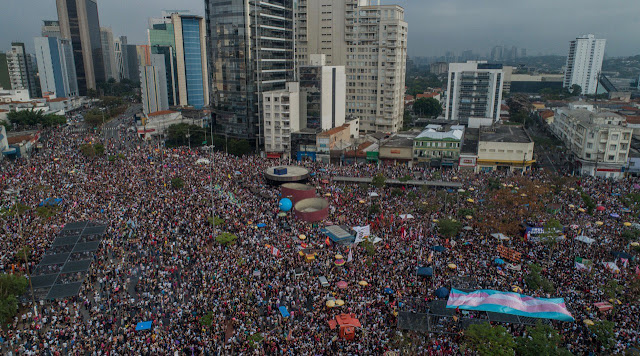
x: 499, y: 261
x: 51, y: 202
x: 284, y: 312
x: 388, y: 290
x: 438, y: 248
x: 425, y: 271
x: 442, y: 292
x: 261, y: 225
x: 144, y: 325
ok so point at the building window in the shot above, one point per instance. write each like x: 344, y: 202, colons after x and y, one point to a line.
x: 611, y: 157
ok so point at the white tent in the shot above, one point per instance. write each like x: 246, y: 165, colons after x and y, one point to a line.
x: 500, y: 236
x: 406, y: 216
x: 585, y: 239
x: 373, y: 194
x: 202, y: 161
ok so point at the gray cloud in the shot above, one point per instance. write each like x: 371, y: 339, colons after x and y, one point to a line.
x: 435, y: 26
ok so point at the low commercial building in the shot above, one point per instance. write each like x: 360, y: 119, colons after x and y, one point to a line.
x: 398, y: 149
x: 438, y: 146
x: 337, y: 138
x: 156, y: 124
x: 504, y: 148
x: 598, y: 140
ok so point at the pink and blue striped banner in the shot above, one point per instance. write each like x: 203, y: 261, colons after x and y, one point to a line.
x: 510, y: 303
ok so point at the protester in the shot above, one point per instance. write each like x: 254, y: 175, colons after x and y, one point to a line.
x: 159, y: 260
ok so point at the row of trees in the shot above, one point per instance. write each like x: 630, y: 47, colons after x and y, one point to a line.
x: 108, y: 108
x: 11, y: 286
x: 184, y: 134
x: 541, y: 340
x: 28, y: 119
x: 124, y: 88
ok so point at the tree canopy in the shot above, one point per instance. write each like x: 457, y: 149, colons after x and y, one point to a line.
x: 11, y: 286
x: 427, y: 107
x: 541, y: 340
x: 487, y: 340
x: 34, y: 118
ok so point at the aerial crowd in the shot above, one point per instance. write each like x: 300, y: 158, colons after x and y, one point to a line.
x: 159, y: 260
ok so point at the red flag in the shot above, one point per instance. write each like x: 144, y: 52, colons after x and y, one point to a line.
x: 327, y: 241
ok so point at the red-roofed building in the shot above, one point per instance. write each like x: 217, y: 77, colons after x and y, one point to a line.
x: 426, y: 95
x: 547, y: 116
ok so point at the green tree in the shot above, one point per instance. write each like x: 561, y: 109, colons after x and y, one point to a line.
x: 429, y: 107
x: 535, y: 280
x: 94, y: 117
x: 226, y: 239
x: 575, y: 90
x: 88, y: 150
x: 11, y: 286
x: 177, y: 183
x: 217, y: 221
x: 549, y: 237
x: 239, y: 147
x: 34, y: 118
x: 487, y: 340
x: 379, y: 180
x: 99, y: 148
x: 519, y: 108
x: 449, y: 227
x: 588, y: 202
x: 603, y: 331
x: 541, y: 340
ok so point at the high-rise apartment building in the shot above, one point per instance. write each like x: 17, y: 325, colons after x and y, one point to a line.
x: 474, y: 90
x: 376, y: 66
x: 584, y: 63
x: 56, y: 67
x: 251, y: 51
x: 51, y: 28
x: 371, y: 42
x: 79, y: 22
x: 120, y: 50
x: 5, y: 81
x: 154, y: 85
x: 180, y: 38
x: 109, y: 53
x: 22, y: 69
x: 324, y: 96
x: 320, y: 29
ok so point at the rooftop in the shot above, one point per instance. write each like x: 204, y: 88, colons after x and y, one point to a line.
x: 505, y: 133
x: 587, y: 116
x: 470, y: 142
x: 441, y: 135
x: 55, y: 100
x: 333, y: 131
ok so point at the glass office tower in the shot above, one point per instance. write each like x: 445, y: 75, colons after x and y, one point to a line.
x: 250, y: 48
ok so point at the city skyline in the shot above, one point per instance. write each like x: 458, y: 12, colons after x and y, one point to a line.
x: 453, y: 25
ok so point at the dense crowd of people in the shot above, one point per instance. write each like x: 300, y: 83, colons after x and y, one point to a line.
x: 159, y: 260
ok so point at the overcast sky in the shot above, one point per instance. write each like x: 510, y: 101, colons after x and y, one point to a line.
x: 435, y: 26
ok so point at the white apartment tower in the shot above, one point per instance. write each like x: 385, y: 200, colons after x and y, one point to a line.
x: 474, y: 90
x: 281, y: 113
x: 584, y: 63
x: 56, y: 67
x: 109, y: 54
x: 153, y: 82
x: 371, y: 42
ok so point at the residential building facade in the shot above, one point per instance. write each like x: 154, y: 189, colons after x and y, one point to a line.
x: 109, y: 54
x: 376, y: 65
x: 474, y: 90
x: 56, y: 67
x: 598, y: 140
x: 153, y: 83
x: 320, y: 29
x: 584, y: 63
x: 251, y: 51
x: 281, y: 112
x: 22, y: 69
x: 79, y: 22
x: 325, y: 94
x: 438, y: 146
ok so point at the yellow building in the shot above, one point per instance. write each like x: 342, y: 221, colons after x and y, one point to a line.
x: 504, y: 147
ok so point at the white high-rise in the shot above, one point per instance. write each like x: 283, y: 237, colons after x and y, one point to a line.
x: 474, y: 90
x: 372, y: 45
x: 584, y: 63
x: 153, y: 82
x: 109, y: 53
x: 56, y: 66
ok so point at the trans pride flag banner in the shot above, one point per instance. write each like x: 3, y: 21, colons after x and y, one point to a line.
x: 510, y: 303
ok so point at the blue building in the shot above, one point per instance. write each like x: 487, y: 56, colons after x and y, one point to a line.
x: 56, y: 66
